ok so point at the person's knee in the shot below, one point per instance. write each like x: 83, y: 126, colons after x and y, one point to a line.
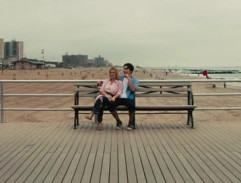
x: 132, y: 108
x: 112, y: 106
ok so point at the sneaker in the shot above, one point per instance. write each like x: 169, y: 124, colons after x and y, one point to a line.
x: 131, y: 127
x: 99, y: 126
x: 118, y: 125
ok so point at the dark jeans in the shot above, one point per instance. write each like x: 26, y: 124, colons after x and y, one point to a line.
x: 99, y: 107
x: 130, y: 104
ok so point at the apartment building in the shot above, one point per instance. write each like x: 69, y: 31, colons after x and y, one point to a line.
x: 13, y: 50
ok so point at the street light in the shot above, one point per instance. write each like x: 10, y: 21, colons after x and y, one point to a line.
x: 42, y: 52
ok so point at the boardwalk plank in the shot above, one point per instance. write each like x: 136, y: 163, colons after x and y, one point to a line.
x: 183, y: 155
x: 11, y: 142
x: 60, y: 167
x: 83, y: 159
x: 55, y: 153
x: 140, y: 174
x: 32, y: 156
x: 41, y: 155
x: 154, y: 152
x: 114, y: 157
x: 106, y: 157
x: 212, y: 171
x: 176, y: 156
x: 165, y: 173
x: 99, y: 156
x: 48, y: 154
x: 157, y: 174
x: 164, y: 150
x: 209, y: 158
x: 211, y: 145
x: 131, y: 173
x: 82, y: 139
x: 21, y: 154
x: 11, y: 147
x: 187, y: 149
x: 91, y: 158
x: 121, y: 158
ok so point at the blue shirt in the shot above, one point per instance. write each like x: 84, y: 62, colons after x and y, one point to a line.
x: 129, y: 93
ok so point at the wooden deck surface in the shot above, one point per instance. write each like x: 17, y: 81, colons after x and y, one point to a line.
x: 155, y: 152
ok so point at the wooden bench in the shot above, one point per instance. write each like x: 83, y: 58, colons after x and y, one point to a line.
x: 153, y: 89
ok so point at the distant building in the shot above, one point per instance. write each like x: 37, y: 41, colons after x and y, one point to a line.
x: 1, y: 49
x: 28, y: 64
x: 100, y: 62
x: 83, y: 61
x: 13, y: 50
x: 75, y: 60
x: 91, y: 63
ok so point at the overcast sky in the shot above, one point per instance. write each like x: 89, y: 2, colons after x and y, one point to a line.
x: 144, y: 32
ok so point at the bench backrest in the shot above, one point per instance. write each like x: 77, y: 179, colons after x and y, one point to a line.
x: 146, y: 89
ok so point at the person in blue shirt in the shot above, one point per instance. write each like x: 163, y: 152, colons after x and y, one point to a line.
x: 130, y: 85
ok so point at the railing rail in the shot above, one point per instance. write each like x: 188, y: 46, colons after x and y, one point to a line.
x: 79, y: 82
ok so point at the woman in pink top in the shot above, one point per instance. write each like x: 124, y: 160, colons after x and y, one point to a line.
x: 111, y: 89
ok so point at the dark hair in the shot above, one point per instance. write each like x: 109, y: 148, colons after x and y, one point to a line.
x: 129, y: 66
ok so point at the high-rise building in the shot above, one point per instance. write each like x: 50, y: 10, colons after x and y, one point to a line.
x: 1, y: 49
x: 13, y: 49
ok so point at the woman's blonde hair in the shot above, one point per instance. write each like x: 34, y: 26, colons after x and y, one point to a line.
x: 116, y: 72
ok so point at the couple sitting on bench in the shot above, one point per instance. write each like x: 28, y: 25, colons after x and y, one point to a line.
x: 117, y: 91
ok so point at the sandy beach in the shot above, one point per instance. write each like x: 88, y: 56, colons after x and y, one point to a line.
x: 102, y: 73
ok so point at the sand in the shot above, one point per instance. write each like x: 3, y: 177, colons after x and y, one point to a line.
x: 102, y: 73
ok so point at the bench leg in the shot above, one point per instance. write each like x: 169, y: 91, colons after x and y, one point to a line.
x: 76, y: 119
x: 190, y: 119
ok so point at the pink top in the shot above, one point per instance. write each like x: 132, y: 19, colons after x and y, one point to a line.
x: 114, y: 88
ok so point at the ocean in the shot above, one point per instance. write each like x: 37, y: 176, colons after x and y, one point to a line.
x: 213, y: 72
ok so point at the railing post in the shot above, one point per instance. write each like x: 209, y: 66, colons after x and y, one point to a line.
x: 2, y: 102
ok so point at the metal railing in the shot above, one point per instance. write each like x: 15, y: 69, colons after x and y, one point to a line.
x: 4, y: 94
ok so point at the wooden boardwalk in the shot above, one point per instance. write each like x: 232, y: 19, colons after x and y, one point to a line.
x: 155, y: 152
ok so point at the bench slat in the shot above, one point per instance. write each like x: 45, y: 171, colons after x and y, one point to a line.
x: 142, y: 95
x: 141, y: 90
x: 166, y: 84
x: 142, y: 108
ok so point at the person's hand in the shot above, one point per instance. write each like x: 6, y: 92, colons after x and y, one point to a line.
x: 112, y: 99
x: 127, y: 76
x: 109, y: 97
x: 99, y: 83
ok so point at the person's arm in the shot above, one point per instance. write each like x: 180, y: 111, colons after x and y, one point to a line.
x: 114, y: 97
x: 105, y: 94
x: 102, y: 90
x: 119, y: 90
x: 132, y: 86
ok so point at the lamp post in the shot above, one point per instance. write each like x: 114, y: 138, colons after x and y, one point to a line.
x: 2, y: 64
x: 42, y: 52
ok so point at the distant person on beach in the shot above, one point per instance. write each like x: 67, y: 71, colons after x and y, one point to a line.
x: 110, y: 90
x: 130, y: 84
x: 205, y: 73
